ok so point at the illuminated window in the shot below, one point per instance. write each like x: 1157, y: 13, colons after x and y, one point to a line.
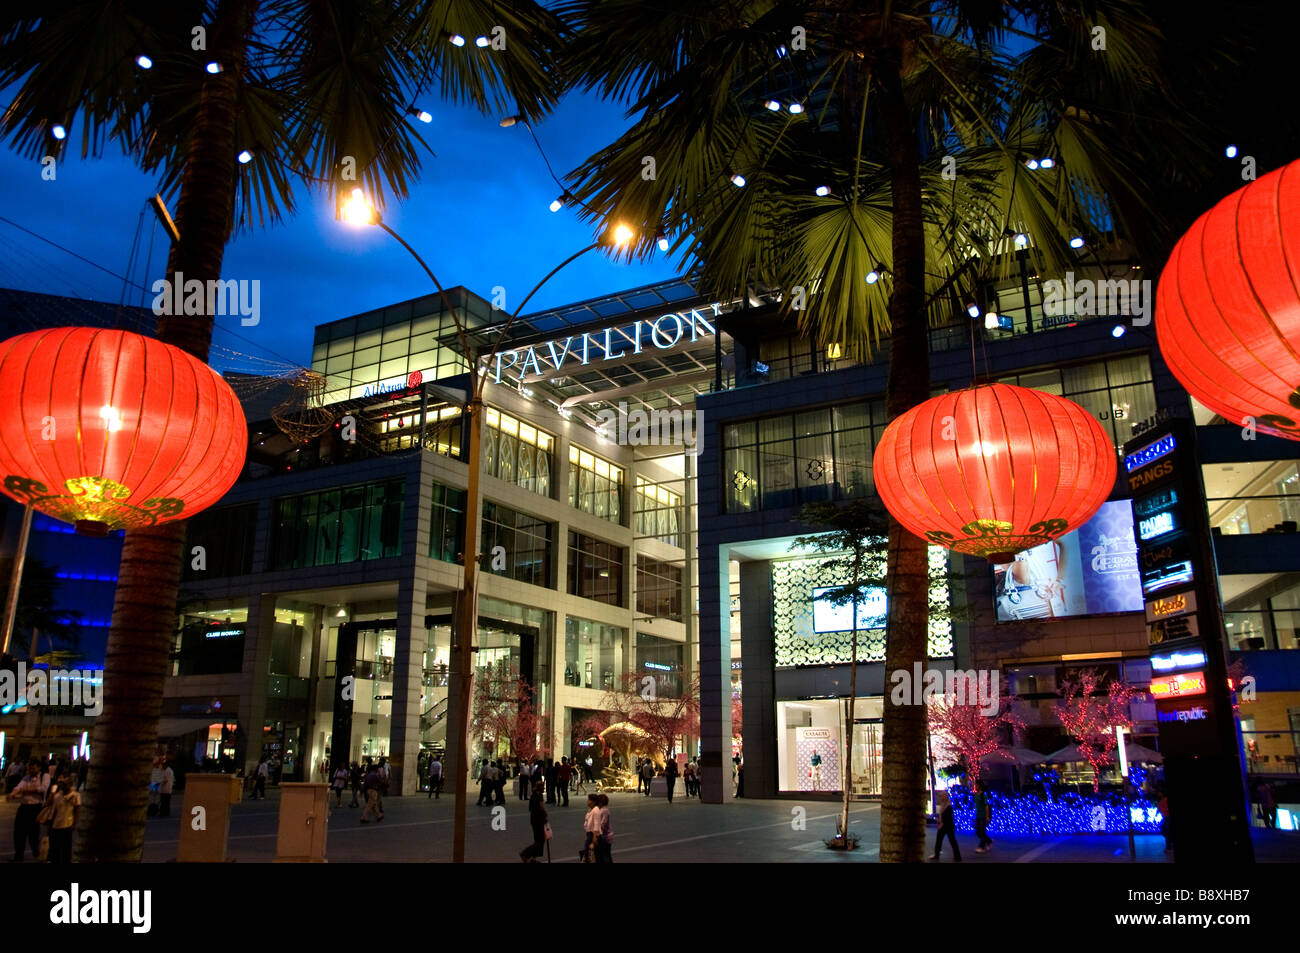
x: 517, y: 452
x: 658, y: 512
x: 595, y: 485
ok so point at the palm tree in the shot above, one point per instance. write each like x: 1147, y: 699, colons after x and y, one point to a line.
x: 316, y: 93
x: 906, y: 149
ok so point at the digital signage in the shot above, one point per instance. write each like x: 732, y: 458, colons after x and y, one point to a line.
x: 1178, y: 686
x: 1188, y: 658
x: 1090, y: 571
x: 828, y: 617
x: 1150, y: 453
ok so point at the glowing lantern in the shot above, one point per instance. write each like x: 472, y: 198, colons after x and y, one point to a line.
x: 1228, y: 306
x: 112, y: 430
x: 994, y: 469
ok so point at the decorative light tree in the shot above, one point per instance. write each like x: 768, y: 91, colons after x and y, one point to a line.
x: 1090, y: 718
x: 969, y: 730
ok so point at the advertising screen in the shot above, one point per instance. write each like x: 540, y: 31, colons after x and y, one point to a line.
x: 1092, y: 570
x: 828, y: 617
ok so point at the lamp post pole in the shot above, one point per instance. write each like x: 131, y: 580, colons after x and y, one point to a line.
x: 465, y: 611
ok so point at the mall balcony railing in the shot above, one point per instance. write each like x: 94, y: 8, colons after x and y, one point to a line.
x: 1253, y: 515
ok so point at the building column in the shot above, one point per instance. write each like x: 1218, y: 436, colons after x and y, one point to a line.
x: 408, y: 684
x: 759, y: 679
x: 715, y: 678
x: 258, y: 631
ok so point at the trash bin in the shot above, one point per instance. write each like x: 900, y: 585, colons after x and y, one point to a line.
x: 205, y: 821
x: 304, y: 816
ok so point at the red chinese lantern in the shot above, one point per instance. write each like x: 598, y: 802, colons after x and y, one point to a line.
x: 112, y: 430
x: 1228, y: 306
x: 994, y: 469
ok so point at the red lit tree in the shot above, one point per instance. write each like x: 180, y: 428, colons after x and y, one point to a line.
x: 504, y: 713
x: 970, y: 720
x: 1089, y: 714
x: 591, y: 727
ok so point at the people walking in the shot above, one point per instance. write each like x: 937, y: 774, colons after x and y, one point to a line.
x: 605, y: 844
x: 640, y: 775
x: 537, y: 819
x: 339, y: 783
x: 486, y: 782
x: 947, y: 827
x: 688, y: 777
x: 355, y: 779
x: 165, y: 791
x: 983, y: 814
x: 591, y: 824
x: 648, y: 773
x: 259, y: 782
x: 670, y: 777
x: 435, y: 777
x: 67, y: 808
x: 579, y: 778
x: 550, y: 781
x: 1268, y: 805
x: 30, y: 795
x: 374, y: 801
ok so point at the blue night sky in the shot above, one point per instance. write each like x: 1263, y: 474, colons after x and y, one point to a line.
x: 478, y: 215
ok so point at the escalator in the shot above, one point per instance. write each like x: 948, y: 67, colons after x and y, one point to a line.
x: 433, y: 723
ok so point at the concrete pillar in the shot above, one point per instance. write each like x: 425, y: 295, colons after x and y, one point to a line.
x: 759, y: 696
x: 257, y: 659
x: 715, y: 677
x: 408, y: 684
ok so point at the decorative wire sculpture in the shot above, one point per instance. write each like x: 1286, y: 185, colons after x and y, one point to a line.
x: 303, y: 415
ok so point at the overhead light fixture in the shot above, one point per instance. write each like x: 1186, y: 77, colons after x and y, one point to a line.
x: 1118, y: 331
x: 342, y: 613
x: 796, y: 108
x: 214, y: 68
x: 245, y: 157
x: 738, y: 180
x: 143, y: 62
x: 1230, y: 152
x: 972, y: 309
x: 58, y: 132
x: 823, y: 190
x: 1076, y: 242
x: 773, y: 105
x: 991, y: 321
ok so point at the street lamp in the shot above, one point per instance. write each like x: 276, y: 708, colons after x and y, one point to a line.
x: 357, y: 211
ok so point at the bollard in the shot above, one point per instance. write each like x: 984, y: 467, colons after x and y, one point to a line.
x: 304, y: 816
x: 205, y: 821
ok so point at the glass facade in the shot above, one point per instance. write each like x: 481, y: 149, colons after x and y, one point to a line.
x: 663, y: 659
x: 595, y: 569
x: 595, y: 485
x: 226, y: 534
x: 210, y: 639
x: 1261, y: 610
x: 1253, y: 497
x: 525, y: 550
x: 791, y: 459
x: 658, y: 512
x: 447, y: 523
x: 346, y: 525
x: 1117, y: 392
x: 363, y: 355
x: 593, y: 654
x: 517, y: 452
x: 658, y: 588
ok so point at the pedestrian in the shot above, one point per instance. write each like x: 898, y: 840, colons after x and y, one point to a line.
x: 374, y: 801
x: 385, y: 775
x: 30, y: 795
x: 67, y: 808
x: 740, y: 779
x: 648, y: 773
x: 605, y: 843
x: 355, y: 780
x: 550, y: 781
x: 591, y: 824
x: 340, y: 782
x: 259, y: 789
x: 486, y: 780
x: 688, y: 777
x: 947, y: 827
x: 579, y: 778
x: 538, y: 820
x: 502, y: 775
x: 670, y: 777
x: 1268, y: 805
x: 563, y: 774
x: 165, y: 790
x: 983, y: 815
x: 1165, y: 828
x: 435, y: 777
x: 640, y: 775
x: 525, y: 780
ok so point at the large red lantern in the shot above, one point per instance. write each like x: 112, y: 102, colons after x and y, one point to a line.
x: 1228, y: 306
x: 112, y: 430
x: 994, y: 469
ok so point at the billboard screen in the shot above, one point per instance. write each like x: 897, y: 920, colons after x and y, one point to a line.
x: 1090, y: 571
x: 828, y: 617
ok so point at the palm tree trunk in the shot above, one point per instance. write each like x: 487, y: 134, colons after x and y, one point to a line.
x: 125, y: 738
x: 902, y: 808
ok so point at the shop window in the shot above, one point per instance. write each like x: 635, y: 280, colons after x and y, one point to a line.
x: 524, y: 541
x: 595, y: 569
x: 658, y: 589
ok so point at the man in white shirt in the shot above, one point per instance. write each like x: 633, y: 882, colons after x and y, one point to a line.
x: 165, y: 791
x: 435, y: 777
x: 30, y: 793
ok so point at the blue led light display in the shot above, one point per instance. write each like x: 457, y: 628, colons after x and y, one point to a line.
x: 1150, y: 453
x: 1028, y: 815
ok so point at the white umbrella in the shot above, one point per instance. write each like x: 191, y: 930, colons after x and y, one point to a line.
x: 1136, y: 754
x: 1024, y: 757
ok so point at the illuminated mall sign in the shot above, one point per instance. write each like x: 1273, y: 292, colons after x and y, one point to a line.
x: 1178, y: 686
x: 1167, y: 607
x: 1175, y: 660
x: 661, y: 333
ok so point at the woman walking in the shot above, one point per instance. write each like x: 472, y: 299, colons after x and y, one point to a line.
x: 947, y: 827
x: 67, y: 808
x: 537, y: 819
x: 605, y: 843
x: 591, y: 824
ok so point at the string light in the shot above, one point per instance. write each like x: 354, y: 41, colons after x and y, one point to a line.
x: 58, y: 132
x: 1021, y: 239
x: 1031, y: 163
x: 143, y: 62
x: 823, y: 190
x: 796, y: 108
x: 1230, y: 152
x: 1026, y: 815
x: 422, y: 114
x: 738, y: 180
x: 773, y: 105
x: 214, y: 68
x: 1076, y: 242
x: 1046, y: 162
x: 456, y: 39
x: 972, y: 309
x: 482, y: 42
x: 245, y: 157
x: 662, y: 241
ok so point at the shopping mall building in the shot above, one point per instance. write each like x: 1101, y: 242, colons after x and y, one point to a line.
x: 662, y: 543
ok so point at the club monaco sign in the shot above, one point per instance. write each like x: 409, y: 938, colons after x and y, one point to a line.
x: 662, y: 333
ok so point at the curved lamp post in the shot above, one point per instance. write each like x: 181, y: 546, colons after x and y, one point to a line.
x: 357, y: 211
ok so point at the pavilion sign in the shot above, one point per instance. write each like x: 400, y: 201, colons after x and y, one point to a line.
x: 662, y: 333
